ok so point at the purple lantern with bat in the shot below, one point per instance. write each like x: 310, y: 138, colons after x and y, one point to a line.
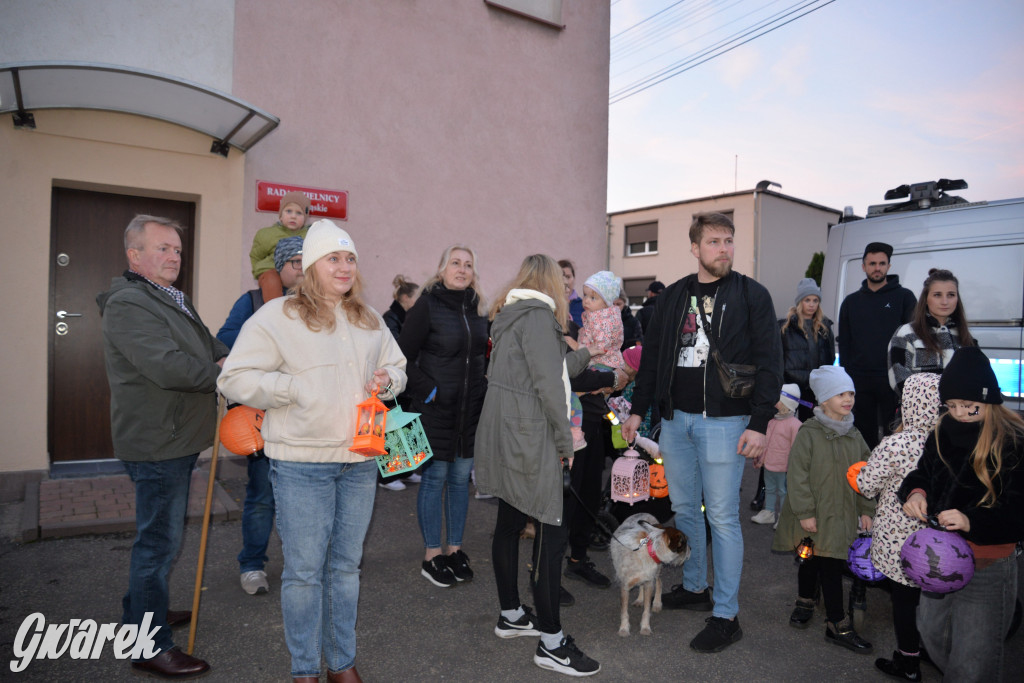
x: 859, y: 560
x: 937, y: 561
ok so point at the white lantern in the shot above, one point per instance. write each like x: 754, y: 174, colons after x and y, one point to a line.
x: 631, y: 479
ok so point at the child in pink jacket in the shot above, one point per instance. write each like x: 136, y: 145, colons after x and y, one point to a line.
x: 775, y: 459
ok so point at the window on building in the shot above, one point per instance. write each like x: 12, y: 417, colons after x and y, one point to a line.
x: 636, y: 288
x: 642, y: 238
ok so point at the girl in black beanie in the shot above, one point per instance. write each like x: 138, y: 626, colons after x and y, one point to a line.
x: 971, y: 478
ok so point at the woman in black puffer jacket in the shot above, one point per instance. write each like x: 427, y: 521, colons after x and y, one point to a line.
x: 444, y: 340
x: 807, y: 342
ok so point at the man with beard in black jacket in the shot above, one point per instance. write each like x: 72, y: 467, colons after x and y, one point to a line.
x: 712, y: 314
x: 867, y: 320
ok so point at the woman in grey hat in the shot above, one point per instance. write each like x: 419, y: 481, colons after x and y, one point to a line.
x: 807, y: 341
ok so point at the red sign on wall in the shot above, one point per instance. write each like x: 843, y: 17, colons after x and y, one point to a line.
x: 325, y: 203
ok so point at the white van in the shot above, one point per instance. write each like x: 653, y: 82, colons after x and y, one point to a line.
x: 981, y: 242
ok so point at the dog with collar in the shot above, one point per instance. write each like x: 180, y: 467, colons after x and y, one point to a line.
x: 639, y: 547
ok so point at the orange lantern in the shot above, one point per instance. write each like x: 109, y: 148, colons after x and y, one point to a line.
x: 370, y: 428
x: 659, y: 485
x: 852, y: 472
x: 240, y: 430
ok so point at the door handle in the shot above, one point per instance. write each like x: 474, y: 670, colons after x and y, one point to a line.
x: 65, y: 314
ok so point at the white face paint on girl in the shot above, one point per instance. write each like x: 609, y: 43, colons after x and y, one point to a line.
x: 966, y: 411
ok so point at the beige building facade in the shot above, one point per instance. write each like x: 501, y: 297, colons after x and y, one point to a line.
x: 776, y: 237
x: 445, y: 121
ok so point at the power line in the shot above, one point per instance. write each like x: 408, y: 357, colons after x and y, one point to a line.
x: 685, y: 65
x: 644, y: 21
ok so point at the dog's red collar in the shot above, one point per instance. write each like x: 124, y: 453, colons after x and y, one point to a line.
x: 651, y: 552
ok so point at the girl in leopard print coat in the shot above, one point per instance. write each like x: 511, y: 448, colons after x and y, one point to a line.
x: 890, y: 462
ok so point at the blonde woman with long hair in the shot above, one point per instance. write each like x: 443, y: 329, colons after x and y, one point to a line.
x: 807, y: 342
x: 445, y: 341
x: 971, y: 479
x: 308, y: 359
x: 522, y: 441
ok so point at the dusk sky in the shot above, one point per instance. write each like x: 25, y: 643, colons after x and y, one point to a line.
x: 853, y: 99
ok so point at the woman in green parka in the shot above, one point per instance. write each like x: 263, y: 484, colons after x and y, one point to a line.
x: 522, y: 440
x: 820, y: 504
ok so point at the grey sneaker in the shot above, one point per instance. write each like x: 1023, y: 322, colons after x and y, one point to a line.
x: 565, y: 659
x: 255, y: 582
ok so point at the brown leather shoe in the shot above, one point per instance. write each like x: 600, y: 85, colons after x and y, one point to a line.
x: 306, y: 679
x: 346, y: 676
x: 179, y: 618
x: 173, y: 663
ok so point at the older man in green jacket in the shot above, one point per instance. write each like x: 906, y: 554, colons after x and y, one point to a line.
x: 162, y: 365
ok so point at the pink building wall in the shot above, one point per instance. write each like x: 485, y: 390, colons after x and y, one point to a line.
x: 445, y: 120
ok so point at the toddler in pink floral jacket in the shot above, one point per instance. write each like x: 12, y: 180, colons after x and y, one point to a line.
x: 602, y: 321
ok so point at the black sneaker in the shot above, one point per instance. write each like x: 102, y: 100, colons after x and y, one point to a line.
x: 843, y: 634
x: 680, y: 598
x: 565, y: 598
x: 436, y: 571
x: 565, y: 659
x: 719, y: 634
x: 584, y: 570
x: 458, y: 562
x: 523, y: 626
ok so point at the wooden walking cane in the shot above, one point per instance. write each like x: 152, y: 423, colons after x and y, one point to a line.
x: 206, y: 528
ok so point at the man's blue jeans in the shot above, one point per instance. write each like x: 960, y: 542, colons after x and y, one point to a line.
x: 964, y: 631
x: 161, y: 503
x: 257, y: 516
x: 437, y: 475
x: 323, y: 512
x: 700, y: 459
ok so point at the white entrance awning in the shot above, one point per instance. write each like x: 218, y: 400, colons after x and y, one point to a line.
x: 29, y: 86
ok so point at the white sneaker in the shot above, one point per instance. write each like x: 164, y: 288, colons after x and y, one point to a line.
x: 255, y: 582
x: 482, y: 496
x: 393, y: 485
x: 413, y: 478
x: 763, y: 517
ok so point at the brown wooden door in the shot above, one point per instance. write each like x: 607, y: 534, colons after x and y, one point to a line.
x: 87, y: 238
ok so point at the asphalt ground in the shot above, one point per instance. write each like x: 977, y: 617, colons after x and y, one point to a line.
x: 409, y: 630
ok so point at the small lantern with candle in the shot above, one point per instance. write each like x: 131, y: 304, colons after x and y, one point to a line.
x: 407, y: 445
x: 805, y: 550
x: 370, y: 427
x: 630, y: 478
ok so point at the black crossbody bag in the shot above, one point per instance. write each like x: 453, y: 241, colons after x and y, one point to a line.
x: 737, y: 379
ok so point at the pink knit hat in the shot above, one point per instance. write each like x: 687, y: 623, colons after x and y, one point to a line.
x: 632, y: 356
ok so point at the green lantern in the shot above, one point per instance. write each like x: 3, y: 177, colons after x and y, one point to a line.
x: 406, y: 443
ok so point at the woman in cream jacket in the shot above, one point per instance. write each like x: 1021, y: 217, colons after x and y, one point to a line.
x: 308, y: 359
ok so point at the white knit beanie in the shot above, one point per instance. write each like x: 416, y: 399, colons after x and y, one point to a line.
x: 789, y: 401
x: 324, y: 237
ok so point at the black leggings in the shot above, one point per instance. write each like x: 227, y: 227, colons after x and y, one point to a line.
x: 904, y: 616
x: 587, y: 477
x: 829, y: 571
x: 546, y: 577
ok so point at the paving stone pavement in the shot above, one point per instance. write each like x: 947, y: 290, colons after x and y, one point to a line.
x: 409, y: 630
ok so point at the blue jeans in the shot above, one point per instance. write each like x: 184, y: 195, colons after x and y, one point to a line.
x: 699, y: 455
x: 437, y: 475
x: 161, y: 503
x: 963, y: 632
x: 323, y: 511
x: 774, y: 490
x: 257, y: 516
